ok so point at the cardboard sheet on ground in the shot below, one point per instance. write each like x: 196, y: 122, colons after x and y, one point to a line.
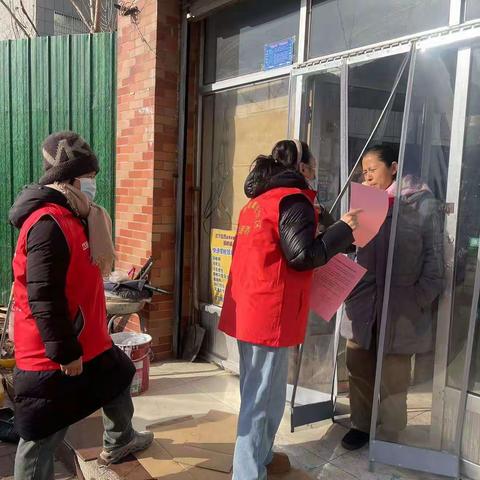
x: 332, y: 284
x: 207, y: 443
x: 374, y: 205
x: 201, y: 457
x: 158, y: 463
x: 209, y: 440
x: 216, y: 429
x: 128, y: 469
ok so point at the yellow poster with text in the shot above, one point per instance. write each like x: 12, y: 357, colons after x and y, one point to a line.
x: 221, y: 246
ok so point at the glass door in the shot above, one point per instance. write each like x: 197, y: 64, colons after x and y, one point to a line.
x: 343, y: 110
x: 414, y: 101
x: 428, y: 290
x: 464, y: 349
x: 312, y: 371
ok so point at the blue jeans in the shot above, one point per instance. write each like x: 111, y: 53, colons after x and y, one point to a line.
x: 263, y: 391
x: 35, y: 459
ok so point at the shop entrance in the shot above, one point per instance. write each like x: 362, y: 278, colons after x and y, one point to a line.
x: 421, y: 98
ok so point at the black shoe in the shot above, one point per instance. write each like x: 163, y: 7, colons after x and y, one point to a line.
x: 355, y: 439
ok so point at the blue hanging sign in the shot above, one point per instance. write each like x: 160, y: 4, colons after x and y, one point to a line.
x: 278, y: 54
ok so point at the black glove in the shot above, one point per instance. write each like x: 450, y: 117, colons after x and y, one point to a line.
x: 325, y: 219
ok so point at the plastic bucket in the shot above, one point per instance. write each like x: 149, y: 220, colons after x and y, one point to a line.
x: 137, y: 347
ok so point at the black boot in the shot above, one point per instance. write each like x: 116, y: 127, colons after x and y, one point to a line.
x: 355, y: 439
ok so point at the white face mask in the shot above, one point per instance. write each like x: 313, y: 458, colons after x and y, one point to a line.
x: 89, y: 187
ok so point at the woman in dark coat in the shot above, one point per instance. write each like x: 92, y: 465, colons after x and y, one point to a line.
x: 416, y: 282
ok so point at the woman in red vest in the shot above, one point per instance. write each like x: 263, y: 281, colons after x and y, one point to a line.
x: 67, y: 366
x: 268, y: 293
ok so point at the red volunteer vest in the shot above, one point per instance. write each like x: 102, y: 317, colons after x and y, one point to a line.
x: 84, y: 291
x: 266, y: 302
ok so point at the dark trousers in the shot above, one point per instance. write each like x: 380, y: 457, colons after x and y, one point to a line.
x: 35, y: 459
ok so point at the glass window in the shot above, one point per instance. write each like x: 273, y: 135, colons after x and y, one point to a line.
x: 236, y: 36
x: 472, y: 10
x: 238, y: 124
x: 344, y: 24
x: 66, y: 25
x: 369, y: 87
x: 321, y: 130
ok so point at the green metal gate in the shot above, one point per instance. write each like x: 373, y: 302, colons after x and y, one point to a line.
x: 49, y: 84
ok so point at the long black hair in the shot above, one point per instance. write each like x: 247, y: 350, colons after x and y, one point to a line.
x: 284, y: 156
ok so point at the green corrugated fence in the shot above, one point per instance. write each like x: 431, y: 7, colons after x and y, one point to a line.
x: 49, y: 84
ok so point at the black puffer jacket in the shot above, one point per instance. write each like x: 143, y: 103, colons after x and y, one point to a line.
x: 303, y: 249
x: 47, y: 264
x: 46, y: 402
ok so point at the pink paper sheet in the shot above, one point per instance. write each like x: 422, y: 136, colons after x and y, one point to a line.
x: 374, y: 205
x: 332, y: 284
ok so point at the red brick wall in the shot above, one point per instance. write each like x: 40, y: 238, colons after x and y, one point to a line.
x: 147, y: 130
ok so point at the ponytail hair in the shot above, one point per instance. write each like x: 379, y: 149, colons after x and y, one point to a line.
x: 285, y: 156
x: 290, y: 153
x: 263, y: 168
